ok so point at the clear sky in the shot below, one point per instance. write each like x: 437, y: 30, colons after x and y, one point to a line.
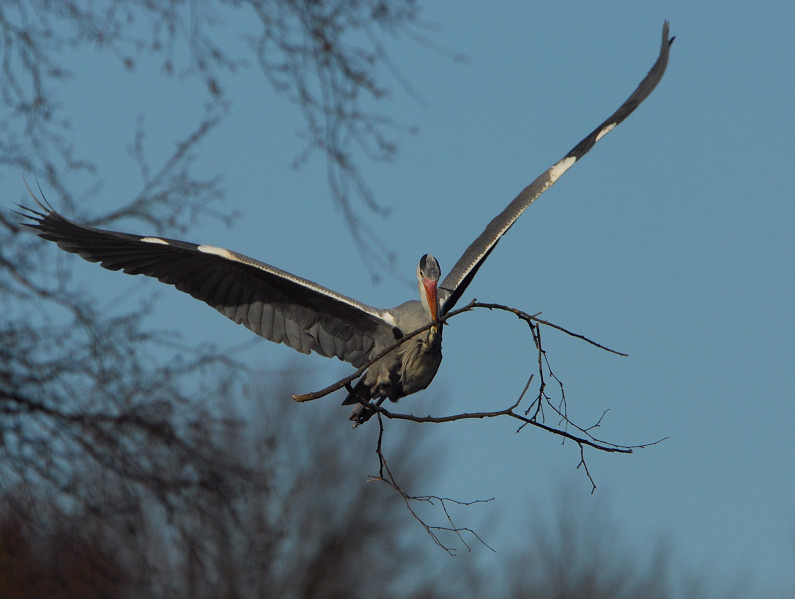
x: 672, y: 240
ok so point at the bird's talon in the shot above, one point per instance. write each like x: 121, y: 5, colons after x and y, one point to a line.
x: 361, y: 413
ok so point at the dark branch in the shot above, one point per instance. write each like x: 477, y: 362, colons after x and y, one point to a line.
x: 434, y: 531
x: 587, y: 439
x: 582, y: 436
x: 529, y: 318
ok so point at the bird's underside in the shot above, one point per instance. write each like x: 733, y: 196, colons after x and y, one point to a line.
x: 285, y: 308
x: 408, y: 369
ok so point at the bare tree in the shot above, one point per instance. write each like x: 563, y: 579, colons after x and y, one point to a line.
x: 80, y: 391
x: 323, y: 57
x: 44, y: 554
x: 305, y: 526
x: 311, y: 530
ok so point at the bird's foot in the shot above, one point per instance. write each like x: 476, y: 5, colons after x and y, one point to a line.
x: 362, y: 412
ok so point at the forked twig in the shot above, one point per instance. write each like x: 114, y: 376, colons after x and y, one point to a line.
x: 532, y: 415
x: 434, y: 531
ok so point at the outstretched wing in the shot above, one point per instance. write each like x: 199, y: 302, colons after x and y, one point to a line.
x: 464, y: 270
x: 272, y: 303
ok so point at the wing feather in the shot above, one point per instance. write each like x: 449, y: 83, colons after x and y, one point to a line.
x: 272, y: 303
x: 461, y: 274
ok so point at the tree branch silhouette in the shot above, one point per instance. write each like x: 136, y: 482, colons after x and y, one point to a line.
x: 434, y: 530
x: 532, y: 415
x: 530, y: 319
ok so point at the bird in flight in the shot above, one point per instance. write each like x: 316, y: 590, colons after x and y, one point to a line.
x: 285, y: 308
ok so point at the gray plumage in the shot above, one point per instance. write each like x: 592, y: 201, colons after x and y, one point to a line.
x: 284, y: 308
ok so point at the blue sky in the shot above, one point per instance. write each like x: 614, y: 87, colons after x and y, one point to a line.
x: 672, y: 240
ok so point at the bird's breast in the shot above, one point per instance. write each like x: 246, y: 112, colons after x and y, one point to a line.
x: 420, y: 361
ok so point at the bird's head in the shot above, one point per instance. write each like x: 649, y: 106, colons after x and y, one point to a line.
x: 428, y: 273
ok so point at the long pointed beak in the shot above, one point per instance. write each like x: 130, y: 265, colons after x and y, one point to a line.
x: 433, y: 300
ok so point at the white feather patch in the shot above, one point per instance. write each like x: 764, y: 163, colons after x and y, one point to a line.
x: 605, y: 131
x: 388, y: 318
x: 154, y: 240
x: 211, y: 249
x: 561, y: 167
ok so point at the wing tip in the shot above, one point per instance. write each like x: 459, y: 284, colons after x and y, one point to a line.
x: 666, y: 41
x: 43, y: 203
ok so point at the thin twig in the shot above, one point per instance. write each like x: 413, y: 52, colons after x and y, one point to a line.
x: 582, y: 436
x: 529, y: 318
x: 433, y: 530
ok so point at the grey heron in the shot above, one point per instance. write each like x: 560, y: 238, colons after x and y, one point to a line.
x: 285, y: 308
